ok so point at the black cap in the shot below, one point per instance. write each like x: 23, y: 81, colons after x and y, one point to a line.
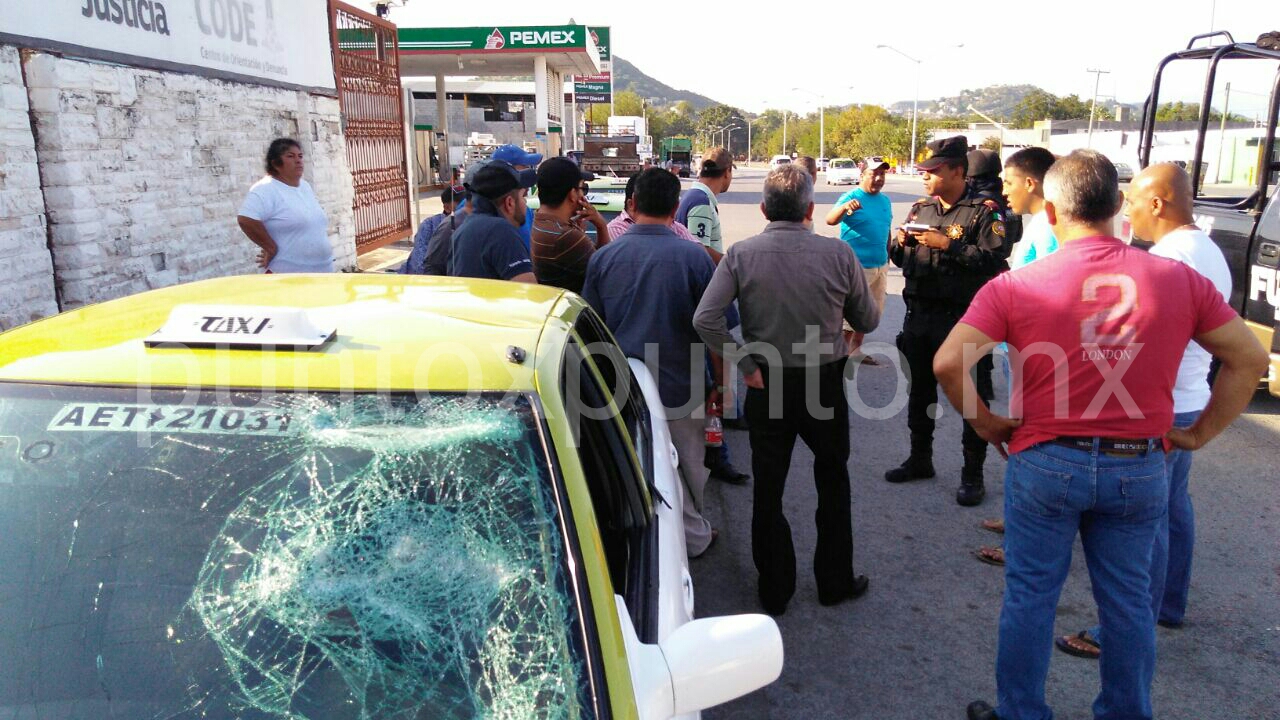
x: 560, y: 173
x: 498, y: 178
x: 950, y: 149
x: 983, y: 163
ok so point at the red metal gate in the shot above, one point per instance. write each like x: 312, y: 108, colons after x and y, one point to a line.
x: 366, y: 65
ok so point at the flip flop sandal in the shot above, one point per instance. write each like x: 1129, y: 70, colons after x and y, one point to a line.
x: 1063, y: 643
x: 995, y: 526
x: 983, y: 557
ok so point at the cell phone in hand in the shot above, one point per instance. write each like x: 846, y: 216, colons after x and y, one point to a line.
x: 912, y: 228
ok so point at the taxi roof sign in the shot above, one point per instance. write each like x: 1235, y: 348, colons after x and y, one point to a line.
x: 240, y: 326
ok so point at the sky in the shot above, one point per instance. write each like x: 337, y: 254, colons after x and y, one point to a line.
x: 754, y: 56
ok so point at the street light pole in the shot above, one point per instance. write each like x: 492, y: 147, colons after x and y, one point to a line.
x: 729, y: 145
x: 721, y: 131
x: 1094, y: 104
x: 999, y: 126
x: 915, y: 101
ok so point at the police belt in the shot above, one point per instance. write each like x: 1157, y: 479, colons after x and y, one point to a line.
x: 1119, y: 446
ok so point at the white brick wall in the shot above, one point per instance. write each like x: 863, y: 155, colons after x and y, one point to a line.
x: 26, y: 269
x: 144, y: 172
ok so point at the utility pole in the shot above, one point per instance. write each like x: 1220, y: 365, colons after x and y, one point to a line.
x: 999, y: 125
x: 1097, y: 80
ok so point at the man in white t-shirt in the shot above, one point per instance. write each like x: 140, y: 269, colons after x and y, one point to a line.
x: 1159, y: 205
x: 1023, y: 187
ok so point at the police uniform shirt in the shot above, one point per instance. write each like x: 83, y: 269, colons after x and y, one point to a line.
x: 978, y: 251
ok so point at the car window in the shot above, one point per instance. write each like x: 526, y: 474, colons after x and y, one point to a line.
x: 842, y: 164
x: 283, y: 555
x: 619, y: 493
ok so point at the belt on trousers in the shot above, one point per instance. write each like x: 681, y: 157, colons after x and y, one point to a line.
x: 1115, y: 446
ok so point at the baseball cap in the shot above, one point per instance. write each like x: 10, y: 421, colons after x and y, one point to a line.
x: 497, y: 178
x: 983, y: 162
x: 944, y: 150
x: 516, y: 156
x: 561, y: 173
x: 882, y: 165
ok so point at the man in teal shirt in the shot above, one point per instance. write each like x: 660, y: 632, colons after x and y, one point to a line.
x: 864, y: 215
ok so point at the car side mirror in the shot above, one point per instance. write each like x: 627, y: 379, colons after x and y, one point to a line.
x: 714, y: 660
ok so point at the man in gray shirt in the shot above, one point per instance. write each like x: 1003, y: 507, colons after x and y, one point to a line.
x: 793, y: 288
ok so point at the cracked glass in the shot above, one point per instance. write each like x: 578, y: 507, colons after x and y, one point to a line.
x: 281, y: 556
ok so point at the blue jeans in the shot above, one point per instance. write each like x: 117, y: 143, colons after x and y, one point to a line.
x: 1115, y: 503
x: 1175, y: 539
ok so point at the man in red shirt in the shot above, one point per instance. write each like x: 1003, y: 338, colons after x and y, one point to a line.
x: 1094, y: 364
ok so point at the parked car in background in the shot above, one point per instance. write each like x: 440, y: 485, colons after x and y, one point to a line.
x: 1124, y: 172
x: 843, y: 171
x: 360, y: 495
x: 822, y: 164
x: 778, y: 161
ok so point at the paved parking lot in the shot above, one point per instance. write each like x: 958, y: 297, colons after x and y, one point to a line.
x: 921, y: 643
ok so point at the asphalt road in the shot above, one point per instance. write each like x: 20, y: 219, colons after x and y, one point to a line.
x: 921, y: 643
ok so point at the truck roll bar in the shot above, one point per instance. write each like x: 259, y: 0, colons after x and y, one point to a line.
x: 1215, y: 33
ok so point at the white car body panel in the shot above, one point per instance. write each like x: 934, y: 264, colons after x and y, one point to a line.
x: 675, y: 584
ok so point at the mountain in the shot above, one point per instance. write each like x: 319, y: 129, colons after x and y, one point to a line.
x: 998, y: 101
x: 628, y: 76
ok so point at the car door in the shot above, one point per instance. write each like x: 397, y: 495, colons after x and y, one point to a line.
x: 615, y: 449
x: 640, y: 408
x: 675, y: 584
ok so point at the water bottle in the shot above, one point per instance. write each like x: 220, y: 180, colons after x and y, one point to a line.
x: 714, y: 429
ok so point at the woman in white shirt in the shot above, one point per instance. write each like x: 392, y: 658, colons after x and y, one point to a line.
x: 282, y: 216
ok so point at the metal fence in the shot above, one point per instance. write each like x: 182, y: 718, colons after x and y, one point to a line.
x: 366, y: 64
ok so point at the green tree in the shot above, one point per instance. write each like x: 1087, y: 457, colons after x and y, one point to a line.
x: 992, y: 143
x: 627, y: 102
x: 1041, y: 105
x: 1035, y: 105
x: 712, y: 119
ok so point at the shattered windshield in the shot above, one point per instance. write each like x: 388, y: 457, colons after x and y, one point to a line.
x: 281, y: 556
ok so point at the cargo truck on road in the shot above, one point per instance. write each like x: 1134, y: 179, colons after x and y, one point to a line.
x: 677, y: 154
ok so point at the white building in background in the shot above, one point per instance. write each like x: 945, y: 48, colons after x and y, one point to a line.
x: 129, y: 141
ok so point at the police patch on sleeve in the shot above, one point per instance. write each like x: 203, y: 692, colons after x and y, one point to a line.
x: 997, y: 227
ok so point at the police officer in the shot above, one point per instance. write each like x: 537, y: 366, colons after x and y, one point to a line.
x: 983, y: 178
x: 944, y: 266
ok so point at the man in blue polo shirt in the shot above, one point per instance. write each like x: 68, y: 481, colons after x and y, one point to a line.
x: 488, y: 245
x: 645, y: 285
x: 864, y: 215
x: 520, y: 160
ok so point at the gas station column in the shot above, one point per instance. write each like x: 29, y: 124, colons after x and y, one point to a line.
x: 540, y: 111
x: 442, y: 128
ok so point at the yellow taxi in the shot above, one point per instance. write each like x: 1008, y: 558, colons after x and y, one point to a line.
x: 347, y: 496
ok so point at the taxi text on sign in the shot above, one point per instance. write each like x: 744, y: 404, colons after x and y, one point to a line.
x: 283, y: 41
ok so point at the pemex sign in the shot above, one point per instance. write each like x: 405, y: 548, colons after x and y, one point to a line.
x: 597, y: 88
x: 495, y: 39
